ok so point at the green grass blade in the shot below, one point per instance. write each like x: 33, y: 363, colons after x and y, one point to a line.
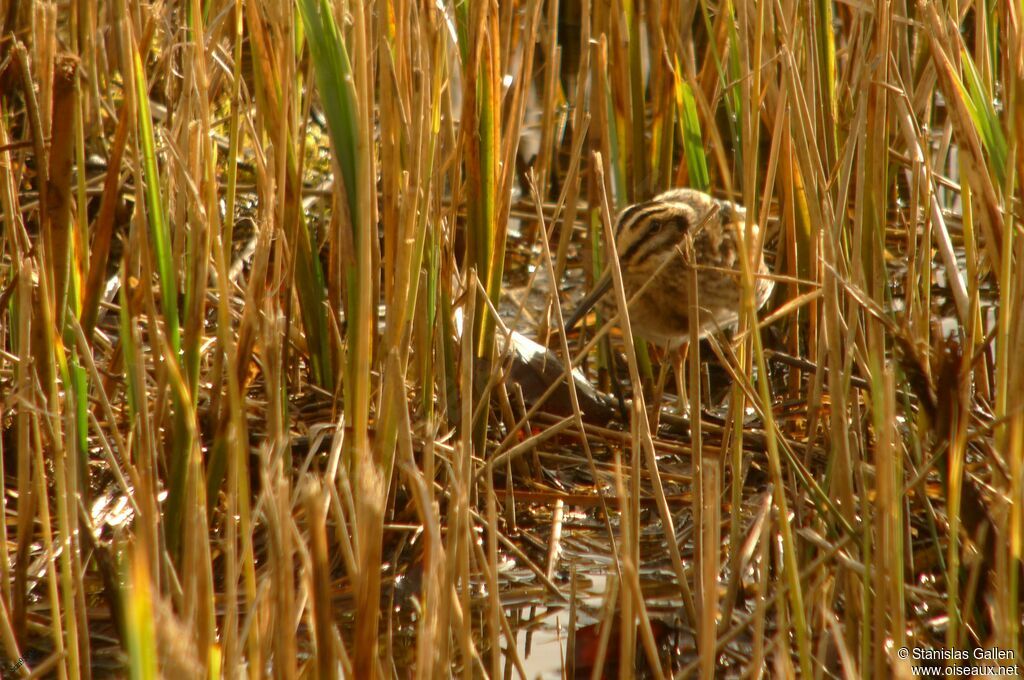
x: 693, y: 144
x: 983, y: 113
x: 155, y: 210
x: 333, y: 72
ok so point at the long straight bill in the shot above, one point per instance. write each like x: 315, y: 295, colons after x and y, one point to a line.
x: 601, y: 287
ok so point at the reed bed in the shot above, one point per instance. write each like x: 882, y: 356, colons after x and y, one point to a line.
x: 263, y: 413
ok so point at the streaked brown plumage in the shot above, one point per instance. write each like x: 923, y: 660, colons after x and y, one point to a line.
x: 646, y: 235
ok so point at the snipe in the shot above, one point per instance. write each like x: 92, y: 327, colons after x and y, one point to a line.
x: 646, y: 238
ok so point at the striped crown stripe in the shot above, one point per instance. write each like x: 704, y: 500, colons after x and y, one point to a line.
x: 663, y: 212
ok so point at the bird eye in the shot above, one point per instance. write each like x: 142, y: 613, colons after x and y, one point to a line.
x: 655, y: 226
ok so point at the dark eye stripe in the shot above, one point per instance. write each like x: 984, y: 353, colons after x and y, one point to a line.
x: 657, y: 243
x: 634, y: 214
x: 646, y: 240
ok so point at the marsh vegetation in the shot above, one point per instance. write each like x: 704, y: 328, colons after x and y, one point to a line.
x: 269, y: 274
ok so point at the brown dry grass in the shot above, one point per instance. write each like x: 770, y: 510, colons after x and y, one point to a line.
x: 244, y: 433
